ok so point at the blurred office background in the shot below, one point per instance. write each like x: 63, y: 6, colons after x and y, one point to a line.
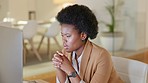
x: 130, y: 19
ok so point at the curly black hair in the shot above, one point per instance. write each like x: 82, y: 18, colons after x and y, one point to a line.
x: 81, y: 17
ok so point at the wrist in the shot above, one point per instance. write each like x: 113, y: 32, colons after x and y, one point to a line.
x: 70, y: 71
x: 72, y: 74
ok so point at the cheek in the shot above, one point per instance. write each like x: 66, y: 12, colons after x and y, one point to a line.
x: 74, y: 42
x: 71, y: 41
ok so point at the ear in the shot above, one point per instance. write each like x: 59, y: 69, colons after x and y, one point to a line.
x: 83, y: 36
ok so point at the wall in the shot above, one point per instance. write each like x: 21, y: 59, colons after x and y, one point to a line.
x: 18, y: 9
x: 3, y: 8
x: 133, y: 21
x: 141, y: 28
x: 46, y: 9
x: 130, y: 25
x: 32, y: 4
x: 135, y: 24
x: 146, y: 37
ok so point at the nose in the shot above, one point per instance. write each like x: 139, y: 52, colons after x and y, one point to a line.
x: 64, y: 39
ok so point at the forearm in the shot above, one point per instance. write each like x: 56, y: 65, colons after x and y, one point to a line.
x: 61, y: 75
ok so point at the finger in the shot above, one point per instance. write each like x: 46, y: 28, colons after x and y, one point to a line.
x: 55, y: 55
x: 56, y: 62
x: 58, y: 57
x: 60, y: 53
x: 57, y: 65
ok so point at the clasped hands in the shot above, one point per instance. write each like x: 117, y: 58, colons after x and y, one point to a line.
x: 60, y: 61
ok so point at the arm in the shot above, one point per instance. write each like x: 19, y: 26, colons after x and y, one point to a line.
x: 61, y: 75
x: 63, y: 64
x: 104, y: 68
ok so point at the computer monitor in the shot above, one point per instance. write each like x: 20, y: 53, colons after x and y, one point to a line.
x: 11, y: 49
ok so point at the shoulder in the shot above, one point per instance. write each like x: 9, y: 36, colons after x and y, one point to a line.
x: 99, y: 49
x: 99, y: 53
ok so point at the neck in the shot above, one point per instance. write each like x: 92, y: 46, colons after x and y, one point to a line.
x: 80, y: 50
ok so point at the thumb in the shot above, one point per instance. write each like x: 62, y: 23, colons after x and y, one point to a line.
x: 60, y: 53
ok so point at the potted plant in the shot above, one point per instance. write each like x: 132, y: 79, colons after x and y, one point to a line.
x: 111, y: 39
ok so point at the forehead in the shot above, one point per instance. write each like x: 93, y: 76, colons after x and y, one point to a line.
x: 67, y: 28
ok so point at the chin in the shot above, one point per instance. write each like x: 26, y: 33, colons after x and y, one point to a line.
x: 68, y: 50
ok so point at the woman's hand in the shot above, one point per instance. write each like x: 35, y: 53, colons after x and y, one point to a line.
x: 57, y: 60
x: 60, y: 74
x: 61, y: 61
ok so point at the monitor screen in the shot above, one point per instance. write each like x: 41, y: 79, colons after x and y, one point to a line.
x: 11, y: 49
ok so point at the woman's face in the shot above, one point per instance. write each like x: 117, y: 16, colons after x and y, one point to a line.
x: 71, y: 38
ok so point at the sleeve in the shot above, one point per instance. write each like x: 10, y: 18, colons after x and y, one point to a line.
x: 104, y: 68
x: 57, y: 80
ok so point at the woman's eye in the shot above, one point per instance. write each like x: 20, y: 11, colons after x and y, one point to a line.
x: 68, y: 36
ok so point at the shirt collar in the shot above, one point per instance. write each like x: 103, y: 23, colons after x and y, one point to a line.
x: 80, y: 57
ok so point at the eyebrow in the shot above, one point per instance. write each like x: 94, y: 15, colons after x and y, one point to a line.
x: 65, y: 33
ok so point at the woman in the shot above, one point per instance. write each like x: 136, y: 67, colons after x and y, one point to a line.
x: 81, y: 61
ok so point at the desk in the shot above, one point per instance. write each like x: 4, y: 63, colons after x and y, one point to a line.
x: 41, y: 29
x: 22, y: 23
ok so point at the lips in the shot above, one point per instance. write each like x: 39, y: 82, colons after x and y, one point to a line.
x: 65, y: 46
